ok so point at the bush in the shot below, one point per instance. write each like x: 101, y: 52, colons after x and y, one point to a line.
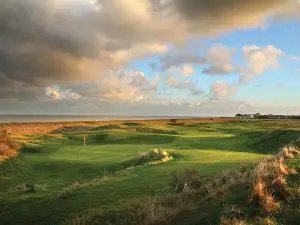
x: 190, y: 179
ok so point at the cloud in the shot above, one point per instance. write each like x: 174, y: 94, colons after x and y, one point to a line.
x: 174, y: 60
x: 119, y: 86
x: 219, y: 58
x: 176, y: 83
x: 185, y: 70
x: 260, y: 59
x: 221, y: 90
x: 295, y: 57
x: 234, y: 14
x: 55, y: 92
x: 70, y: 42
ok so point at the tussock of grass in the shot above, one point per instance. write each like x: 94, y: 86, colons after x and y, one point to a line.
x: 270, y: 178
x: 190, y: 179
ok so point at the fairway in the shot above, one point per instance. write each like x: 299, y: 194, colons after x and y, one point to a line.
x: 54, y: 162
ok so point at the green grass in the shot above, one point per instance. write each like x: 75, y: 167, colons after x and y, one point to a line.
x: 54, y: 162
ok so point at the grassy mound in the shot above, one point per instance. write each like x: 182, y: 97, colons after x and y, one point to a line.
x: 268, y: 142
x: 155, y: 156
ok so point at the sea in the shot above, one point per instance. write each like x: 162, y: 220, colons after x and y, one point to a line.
x: 76, y: 118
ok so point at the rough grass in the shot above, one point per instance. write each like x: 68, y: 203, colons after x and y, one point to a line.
x: 8, y: 148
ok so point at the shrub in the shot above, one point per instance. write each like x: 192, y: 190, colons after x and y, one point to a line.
x: 190, y: 179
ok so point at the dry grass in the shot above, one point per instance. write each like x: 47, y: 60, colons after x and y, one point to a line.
x: 259, y: 190
x: 8, y: 148
x: 269, y: 177
x: 282, y: 168
x: 289, y: 152
x: 269, y: 203
x: 152, y: 211
x: 235, y: 221
x: 292, y: 171
x: 267, y: 221
x: 18, y: 129
x: 279, y: 184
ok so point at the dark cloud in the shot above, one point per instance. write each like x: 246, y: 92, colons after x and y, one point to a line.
x: 223, y: 15
x: 176, y: 59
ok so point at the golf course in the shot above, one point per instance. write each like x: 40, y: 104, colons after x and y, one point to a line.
x: 57, y: 179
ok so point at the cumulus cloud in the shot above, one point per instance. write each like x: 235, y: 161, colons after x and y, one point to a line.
x: 55, y: 92
x: 260, y: 59
x: 221, y: 90
x: 177, y: 59
x: 119, y: 86
x: 176, y: 83
x: 185, y: 70
x: 219, y: 58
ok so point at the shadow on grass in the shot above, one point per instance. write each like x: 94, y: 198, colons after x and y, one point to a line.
x: 236, y: 143
x: 148, y: 138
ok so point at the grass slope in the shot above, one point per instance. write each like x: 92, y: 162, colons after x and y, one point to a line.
x: 69, y: 178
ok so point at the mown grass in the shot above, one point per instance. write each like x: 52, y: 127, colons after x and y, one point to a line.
x: 69, y: 178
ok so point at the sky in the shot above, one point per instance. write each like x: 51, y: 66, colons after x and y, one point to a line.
x: 149, y: 57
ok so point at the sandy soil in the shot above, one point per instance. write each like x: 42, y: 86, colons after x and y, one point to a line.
x: 19, y: 129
